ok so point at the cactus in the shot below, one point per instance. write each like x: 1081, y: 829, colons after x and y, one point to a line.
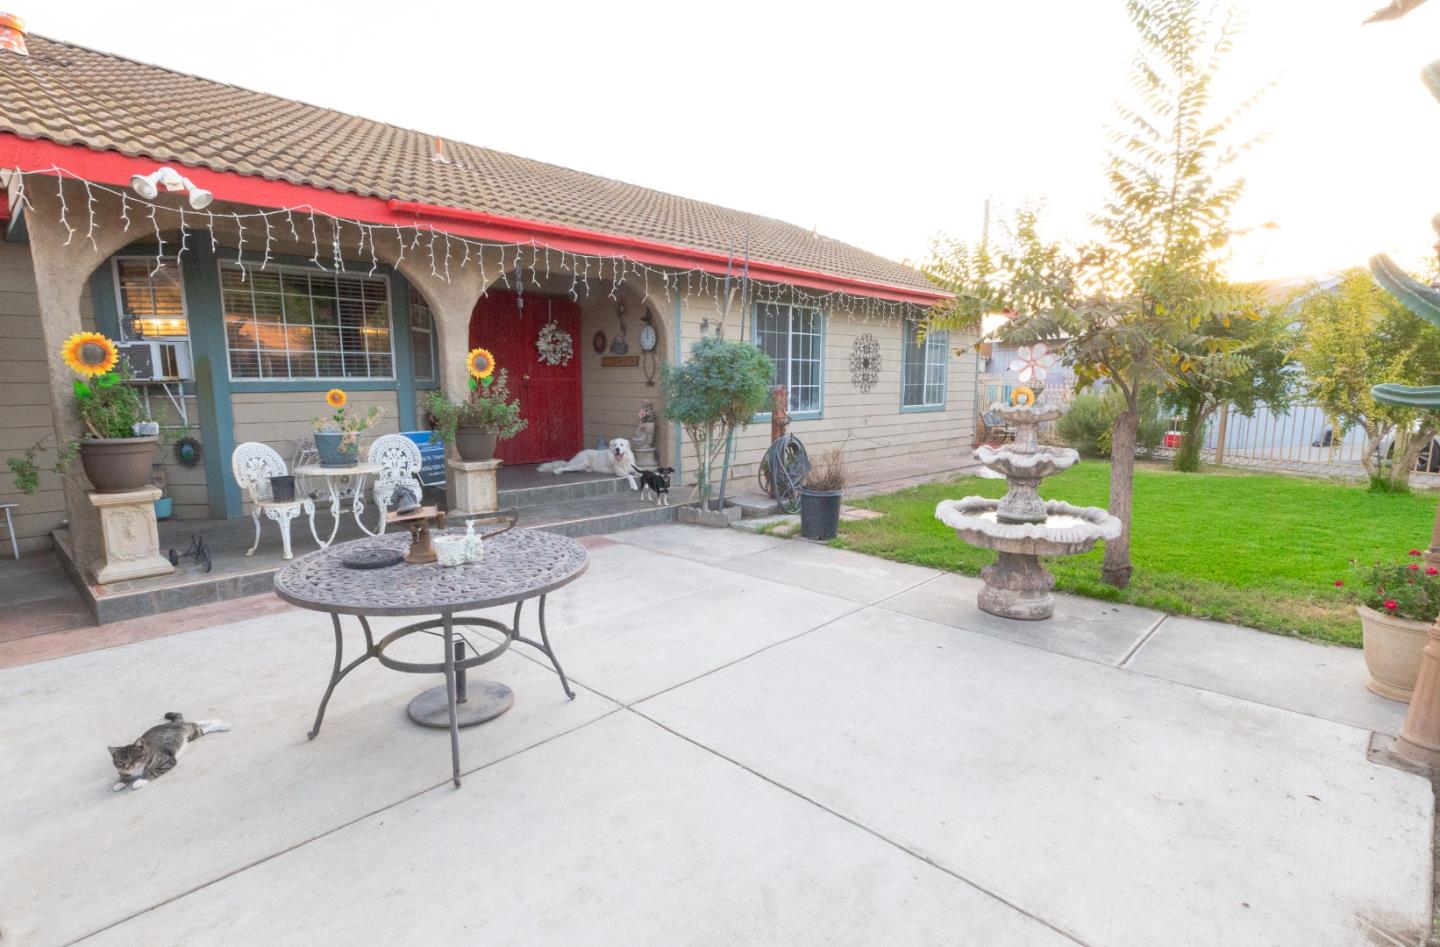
x: 1422, y: 300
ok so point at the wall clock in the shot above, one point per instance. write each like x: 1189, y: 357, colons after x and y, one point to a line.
x: 599, y: 343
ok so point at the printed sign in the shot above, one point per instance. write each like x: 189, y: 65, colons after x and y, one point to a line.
x: 432, y: 458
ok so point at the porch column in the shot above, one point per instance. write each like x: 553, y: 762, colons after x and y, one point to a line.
x: 63, y: 261
x: 451, y: 301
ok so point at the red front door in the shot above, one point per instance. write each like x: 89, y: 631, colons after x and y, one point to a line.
x: 549, y: 394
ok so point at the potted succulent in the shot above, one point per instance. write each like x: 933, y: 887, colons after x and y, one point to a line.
x: 114, y: 452
x: 488, y: 416
x: 1397, y: 602
x: 820, y: 495
x: 337, y: 436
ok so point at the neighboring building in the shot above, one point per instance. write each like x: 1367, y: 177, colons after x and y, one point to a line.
x: 343, y: 252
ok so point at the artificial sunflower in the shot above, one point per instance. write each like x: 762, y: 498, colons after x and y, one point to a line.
x: 89, y: 353
x: 336, y: 398
x: 481, y: 363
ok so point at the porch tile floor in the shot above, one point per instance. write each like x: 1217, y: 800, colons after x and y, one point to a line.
x: 772, y: 742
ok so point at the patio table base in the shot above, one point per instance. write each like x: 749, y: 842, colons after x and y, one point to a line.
x: 475, y: 702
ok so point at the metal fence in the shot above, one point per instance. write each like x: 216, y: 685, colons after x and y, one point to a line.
x: 1303, y: 435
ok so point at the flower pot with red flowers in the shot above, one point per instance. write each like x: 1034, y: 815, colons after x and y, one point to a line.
x: 1398, y: 601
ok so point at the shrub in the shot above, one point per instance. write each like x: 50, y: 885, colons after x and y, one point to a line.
x: 489, y: 406
x: 830, y: 472
x: 1086, y: 427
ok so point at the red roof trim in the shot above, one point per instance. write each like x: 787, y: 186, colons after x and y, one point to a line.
x: 113, y: 168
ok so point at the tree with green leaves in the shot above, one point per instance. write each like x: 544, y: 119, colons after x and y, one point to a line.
x: 713, y: 395
x: 1357, y: 336
x: 1131, y: 310
x: 1256, y: 366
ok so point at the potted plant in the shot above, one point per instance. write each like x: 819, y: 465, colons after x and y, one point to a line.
x: 1398, y: 601
x: 820, y: 495
x: 713, y: 395
x: 337, y: 436
x: 488, y: 416
x: 114, y: 458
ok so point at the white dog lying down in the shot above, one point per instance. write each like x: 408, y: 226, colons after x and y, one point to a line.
x: 617, y: 460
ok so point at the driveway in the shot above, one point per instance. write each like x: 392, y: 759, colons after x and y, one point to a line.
x: 772, y: 742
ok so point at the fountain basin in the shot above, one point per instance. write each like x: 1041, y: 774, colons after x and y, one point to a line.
x: 1066, y: 530
x: 1016, y: 584
x: 1044, y: 462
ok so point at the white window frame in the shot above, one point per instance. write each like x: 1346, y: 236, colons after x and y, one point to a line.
x: 223, y: 265
x: 429, y: 332
x: 796, y: 414
x: 149, y: 262
x: 935, y: 370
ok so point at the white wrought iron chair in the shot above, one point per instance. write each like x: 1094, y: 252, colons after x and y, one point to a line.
x: 254, y: 464
x: 399, y: 460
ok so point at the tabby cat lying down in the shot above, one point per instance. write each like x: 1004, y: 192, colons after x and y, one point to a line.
x: 158, y: 749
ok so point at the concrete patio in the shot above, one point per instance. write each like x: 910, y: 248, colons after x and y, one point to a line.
x: 773, y: 742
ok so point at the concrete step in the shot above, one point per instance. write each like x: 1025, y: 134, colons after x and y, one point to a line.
x: 567, y: 488
x: 595, y: 515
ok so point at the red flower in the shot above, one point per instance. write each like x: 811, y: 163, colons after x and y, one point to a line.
x: 1339, y: 582
x: 1390, y: 604
x: 1431, y: 570
x: 1414, y: 552
x: 1414, y: 567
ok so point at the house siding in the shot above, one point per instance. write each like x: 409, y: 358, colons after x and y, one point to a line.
x: 25, y: 398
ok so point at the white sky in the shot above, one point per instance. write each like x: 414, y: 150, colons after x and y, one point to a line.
x: 879, y: 124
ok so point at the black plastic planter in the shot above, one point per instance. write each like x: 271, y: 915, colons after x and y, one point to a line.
x: 819, y: 513
x: 282, y: 489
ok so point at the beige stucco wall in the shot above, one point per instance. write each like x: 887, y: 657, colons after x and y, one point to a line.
x: 612, y: 395
x: 25, y: 399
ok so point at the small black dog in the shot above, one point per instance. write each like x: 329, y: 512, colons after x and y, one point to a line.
x: 656, y: 481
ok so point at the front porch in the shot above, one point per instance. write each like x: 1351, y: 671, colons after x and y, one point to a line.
x: 570, y: 504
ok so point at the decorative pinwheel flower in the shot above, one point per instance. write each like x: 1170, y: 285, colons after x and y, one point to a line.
x: 1033, y: 362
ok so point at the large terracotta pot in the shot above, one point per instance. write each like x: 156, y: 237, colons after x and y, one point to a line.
x: 1392, y: 652
x: 475, y: 443
x: 117, y: 464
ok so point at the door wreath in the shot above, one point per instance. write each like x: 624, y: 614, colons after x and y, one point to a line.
x: 555, y: 345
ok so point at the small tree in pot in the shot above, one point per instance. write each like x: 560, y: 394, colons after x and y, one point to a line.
x: 713, y: 395
x: 487, y: 416
x: 820, y: 495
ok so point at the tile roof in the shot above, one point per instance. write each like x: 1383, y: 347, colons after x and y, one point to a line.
x: 73, y: 95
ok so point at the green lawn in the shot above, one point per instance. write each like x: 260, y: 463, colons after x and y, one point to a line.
x: 1256, y: 549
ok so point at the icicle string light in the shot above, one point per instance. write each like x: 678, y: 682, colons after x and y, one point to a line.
x: 419, y: 243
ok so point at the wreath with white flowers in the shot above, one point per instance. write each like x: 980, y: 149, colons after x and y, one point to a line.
x: 555, y: 345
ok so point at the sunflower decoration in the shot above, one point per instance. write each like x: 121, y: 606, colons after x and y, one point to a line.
x: 90, y: 354
x: 482, y: 367
x: 336, y: 398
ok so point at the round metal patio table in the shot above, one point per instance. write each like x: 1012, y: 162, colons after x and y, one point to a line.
x: 516, y: 566
x: 356, y: 474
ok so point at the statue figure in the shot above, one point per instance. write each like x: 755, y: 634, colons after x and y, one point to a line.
x: 645, y: 430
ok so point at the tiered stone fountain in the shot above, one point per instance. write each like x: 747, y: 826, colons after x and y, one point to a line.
x: 1020, y: 526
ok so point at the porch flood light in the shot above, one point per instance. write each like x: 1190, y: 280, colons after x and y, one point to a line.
x: 148, y: 186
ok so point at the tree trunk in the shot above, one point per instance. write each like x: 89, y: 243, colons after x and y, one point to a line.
x: 1187, y: 457
x: 1117, y: 566
x: 1407, y: 454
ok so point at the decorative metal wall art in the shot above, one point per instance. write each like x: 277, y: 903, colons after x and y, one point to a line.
x: 865, y: 362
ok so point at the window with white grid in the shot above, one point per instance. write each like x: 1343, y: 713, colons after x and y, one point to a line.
x: 152, y: 305
x: 295, y: 323
x: 422, y: 336
x: 922, y: 367
x: 794, y: 337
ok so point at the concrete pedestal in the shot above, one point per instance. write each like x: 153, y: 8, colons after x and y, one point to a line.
x: 472, y: 486
x: 647, y: 458
x: 129, y: 541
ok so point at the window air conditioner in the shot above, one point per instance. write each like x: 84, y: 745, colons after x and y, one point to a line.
x: 158, y: 361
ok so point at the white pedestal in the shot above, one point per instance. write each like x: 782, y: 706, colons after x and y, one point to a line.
x: 472, y: 486
x: 129, y: 541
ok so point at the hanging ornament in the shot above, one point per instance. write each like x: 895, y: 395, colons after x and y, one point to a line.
x: 865, y: 362
x: 555, y: 345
